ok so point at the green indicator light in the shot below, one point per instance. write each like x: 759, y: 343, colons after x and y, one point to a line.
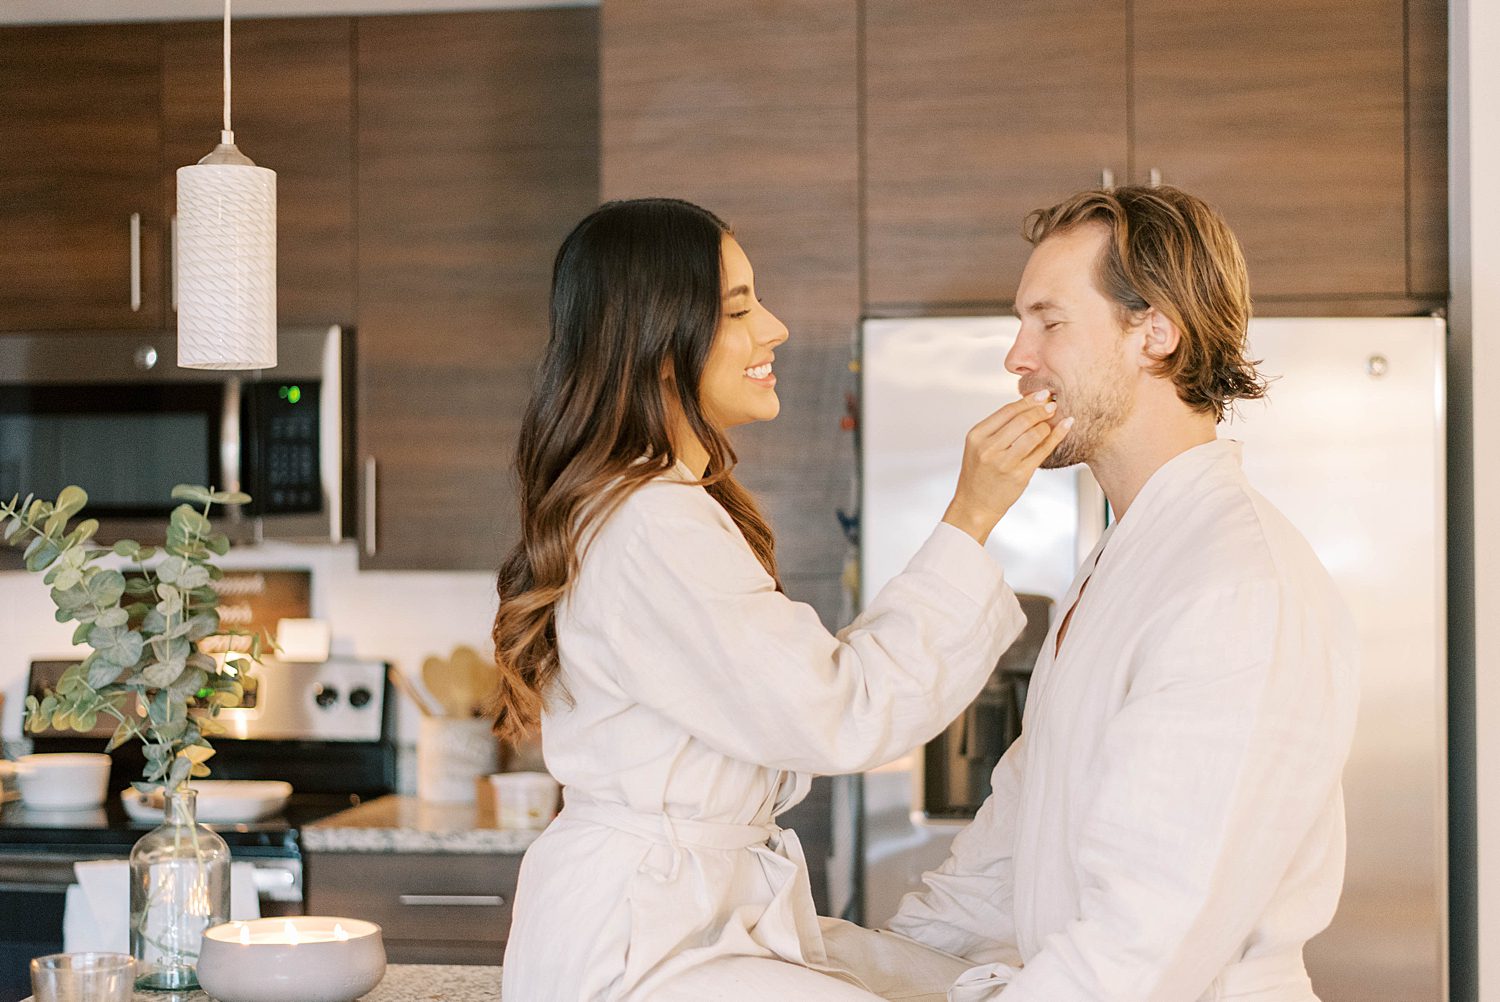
x: 293, y: 394
x: 282, y: 392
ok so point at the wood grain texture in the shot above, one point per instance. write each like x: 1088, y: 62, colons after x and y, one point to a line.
x: 478, y: 150
x: 80, y: 146
x: 976, y: 113
x: 293, y: 108
x: 1427, y: 146
x: 1288, y: 115
x: 752, y: 111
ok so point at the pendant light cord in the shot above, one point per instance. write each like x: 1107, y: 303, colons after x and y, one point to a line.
x: 228, y: 133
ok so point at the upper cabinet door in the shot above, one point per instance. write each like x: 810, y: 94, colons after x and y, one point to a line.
x: 1288, y: 115
x: 478, y: 150
x: 81, y: 229
x: 976, y: 113
x: 293, y: 104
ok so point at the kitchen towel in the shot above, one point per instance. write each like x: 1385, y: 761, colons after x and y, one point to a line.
x: 96, y: 913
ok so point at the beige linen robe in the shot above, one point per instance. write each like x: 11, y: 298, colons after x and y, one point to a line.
x: 1170, y: 826
x: 699, y: 701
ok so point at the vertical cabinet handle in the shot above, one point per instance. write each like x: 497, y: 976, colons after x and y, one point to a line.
x: 371, y: 506
x: 135, y: 262
x: 172, y: 249
x: 1106, y: 178
x: 1155, y: 177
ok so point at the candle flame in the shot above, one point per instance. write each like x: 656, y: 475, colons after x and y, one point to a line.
x: 291, y: 933
x: 245, y: 934
x: 339, y: 933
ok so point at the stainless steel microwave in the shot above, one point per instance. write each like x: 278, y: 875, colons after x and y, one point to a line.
x: 113, y: 413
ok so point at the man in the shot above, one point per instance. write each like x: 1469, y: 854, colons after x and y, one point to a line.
x: 1169, y: 827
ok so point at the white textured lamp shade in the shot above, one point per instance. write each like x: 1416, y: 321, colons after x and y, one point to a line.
x: 226, y: 266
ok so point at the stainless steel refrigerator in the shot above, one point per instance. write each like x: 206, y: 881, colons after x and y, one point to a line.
x: 1349, y: 445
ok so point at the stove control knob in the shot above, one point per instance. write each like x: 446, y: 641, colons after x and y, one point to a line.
x: 360, y: 697
x: 325, y: 695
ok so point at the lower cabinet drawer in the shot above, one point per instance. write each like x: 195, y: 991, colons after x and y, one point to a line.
x: 432, y: 908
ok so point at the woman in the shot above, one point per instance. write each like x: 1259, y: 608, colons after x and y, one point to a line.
x: 684, y: 700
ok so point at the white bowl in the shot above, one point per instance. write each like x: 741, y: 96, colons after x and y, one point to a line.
x: 67, y: 781
x: 256, y: 961
x: 220, y: 801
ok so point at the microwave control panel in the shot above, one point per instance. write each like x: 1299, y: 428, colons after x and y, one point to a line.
x: 281, y: 424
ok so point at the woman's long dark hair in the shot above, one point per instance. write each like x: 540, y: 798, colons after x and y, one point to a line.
x: 635, y: 294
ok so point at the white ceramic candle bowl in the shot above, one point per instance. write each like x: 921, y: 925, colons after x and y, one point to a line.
x: 301, y: 958
x: 69, y: 781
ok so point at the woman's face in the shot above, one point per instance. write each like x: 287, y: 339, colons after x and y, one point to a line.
x: 738, y: 386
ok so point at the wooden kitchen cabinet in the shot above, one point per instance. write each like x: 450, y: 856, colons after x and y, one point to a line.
x: 975, y: 114
x: 1289, y: 116
x: 477, y: 139
x: 751, y: 110
x: 293, y: 111
x: 432, y: 908
x: 80, y: 153
x: 1316, y: 129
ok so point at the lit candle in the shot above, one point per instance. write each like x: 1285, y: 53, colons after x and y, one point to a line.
x: 304, y: 958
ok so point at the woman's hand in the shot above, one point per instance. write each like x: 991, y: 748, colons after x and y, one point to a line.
x: 1000, y: 455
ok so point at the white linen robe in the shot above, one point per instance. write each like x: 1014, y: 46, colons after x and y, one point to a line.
x: 698, y: 702
x: 1170, y: 825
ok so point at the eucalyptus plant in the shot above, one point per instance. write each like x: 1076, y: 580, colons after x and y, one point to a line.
x: 145, y: 668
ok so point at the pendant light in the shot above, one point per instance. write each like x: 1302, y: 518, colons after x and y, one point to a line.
x: 226, y: 256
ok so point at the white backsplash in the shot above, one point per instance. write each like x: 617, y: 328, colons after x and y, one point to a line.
x: 399, y: 617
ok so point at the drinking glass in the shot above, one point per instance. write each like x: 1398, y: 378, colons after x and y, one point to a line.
x: 83, y: 977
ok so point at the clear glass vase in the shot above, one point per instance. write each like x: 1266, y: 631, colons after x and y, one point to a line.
x: 179, y: 886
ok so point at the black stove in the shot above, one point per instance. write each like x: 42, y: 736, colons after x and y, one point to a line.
x: 325, y: 728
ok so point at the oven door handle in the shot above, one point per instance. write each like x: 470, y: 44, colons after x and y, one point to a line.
x: 452, y: 900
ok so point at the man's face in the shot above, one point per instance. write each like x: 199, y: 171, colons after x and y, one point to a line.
x: 1073, y: 343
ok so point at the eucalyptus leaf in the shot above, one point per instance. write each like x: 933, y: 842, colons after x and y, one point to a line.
x: 113, y: 616
x: 218, y: 542
x: 181, y: 766
x: 106, y: 587
x: 64, y: 576
x: 15, y: 525
x: 230, y: 497
x: 56, y: 522
x: 139, y: 587
x: 194, y: 576
x: 121, y: 735
x: 117, y: 644
x: 71, y: 597
x: 204, y: 624
x: 81, y: 635
x: 83, y: 532
x: 147, y: 552
x: 186, y: 685
x: 71, y: 501
x: 171, y: 600
x: 191, y: 492
x: 154, y: 623
x: 161, y: 674
x: 42, y: 558
x: 127, y: 548
x: 169, y: 569
x: 190, y: 521
x: 103, y: 672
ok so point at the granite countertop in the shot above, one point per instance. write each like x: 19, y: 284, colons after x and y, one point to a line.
x: 402, y: 983
x: 406, y: 824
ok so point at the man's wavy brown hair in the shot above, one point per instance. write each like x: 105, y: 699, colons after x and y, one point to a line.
x: 1172, y: 252
x: 635, y: 294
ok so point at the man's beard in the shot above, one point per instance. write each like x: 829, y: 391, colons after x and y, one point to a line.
x: 1097, y: 410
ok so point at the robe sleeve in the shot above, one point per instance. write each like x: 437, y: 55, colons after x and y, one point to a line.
x: 1226, y: 752
x: 704, y: 638
x: 967, y: 905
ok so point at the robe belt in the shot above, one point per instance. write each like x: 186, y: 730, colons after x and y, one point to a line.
x: 671, y: 831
